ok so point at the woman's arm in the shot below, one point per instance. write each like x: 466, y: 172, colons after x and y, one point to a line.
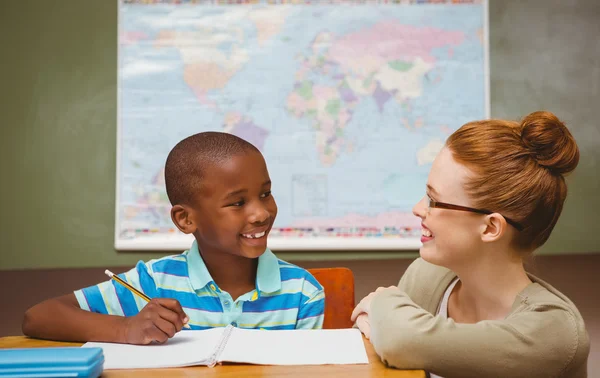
x: 536, y: 342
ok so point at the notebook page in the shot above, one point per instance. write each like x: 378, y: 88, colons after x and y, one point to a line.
x: 184, y: 349
x: 295, y: 347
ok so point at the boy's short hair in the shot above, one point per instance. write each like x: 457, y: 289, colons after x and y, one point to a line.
x: 188, y: 160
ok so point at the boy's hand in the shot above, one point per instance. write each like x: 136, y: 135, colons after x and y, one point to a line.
x: 158, y: 321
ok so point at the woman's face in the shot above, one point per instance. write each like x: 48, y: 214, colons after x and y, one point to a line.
x: 449, y: 237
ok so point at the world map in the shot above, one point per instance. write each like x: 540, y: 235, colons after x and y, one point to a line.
x: 349, y: 103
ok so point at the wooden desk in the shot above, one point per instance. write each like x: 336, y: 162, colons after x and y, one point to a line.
x: 374, y: 369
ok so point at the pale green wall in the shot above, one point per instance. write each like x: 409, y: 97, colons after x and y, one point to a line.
x: 58, y: 121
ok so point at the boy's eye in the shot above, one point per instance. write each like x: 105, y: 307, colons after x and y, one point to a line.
x: 266, y: 194
x: 237, y: 204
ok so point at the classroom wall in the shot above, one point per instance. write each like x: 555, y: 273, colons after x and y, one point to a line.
x: 58, y: 121
x: 58, y: 138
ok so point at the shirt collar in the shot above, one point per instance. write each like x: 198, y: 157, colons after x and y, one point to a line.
x: 197, y: 270
x: 268, y: 278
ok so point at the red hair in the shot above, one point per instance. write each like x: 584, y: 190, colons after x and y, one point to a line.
x: 520, y: 170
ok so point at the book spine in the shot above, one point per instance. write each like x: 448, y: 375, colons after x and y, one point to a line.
x: 214, y: 359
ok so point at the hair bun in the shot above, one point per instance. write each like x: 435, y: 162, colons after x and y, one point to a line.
x: 549, y: 141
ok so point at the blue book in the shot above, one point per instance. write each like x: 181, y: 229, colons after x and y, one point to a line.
x: 51, y: 362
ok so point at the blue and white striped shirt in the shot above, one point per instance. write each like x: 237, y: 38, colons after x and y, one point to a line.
x: 286, y: 296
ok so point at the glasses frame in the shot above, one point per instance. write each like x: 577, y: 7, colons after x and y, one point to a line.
x: 433, y: 204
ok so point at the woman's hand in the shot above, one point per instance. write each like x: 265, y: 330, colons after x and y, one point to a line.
x: 360, y: 315
x: 363, y: 324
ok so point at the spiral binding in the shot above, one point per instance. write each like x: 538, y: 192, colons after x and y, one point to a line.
x: 214, y: 358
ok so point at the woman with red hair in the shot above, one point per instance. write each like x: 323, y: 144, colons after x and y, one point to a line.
x: 467, y: 307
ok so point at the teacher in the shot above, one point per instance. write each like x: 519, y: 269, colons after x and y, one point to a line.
x: 467, y: 307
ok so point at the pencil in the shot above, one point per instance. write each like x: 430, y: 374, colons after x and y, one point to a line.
x: 133, y: 290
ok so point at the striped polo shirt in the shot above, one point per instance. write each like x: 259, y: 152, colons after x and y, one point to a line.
x: 285, y: 297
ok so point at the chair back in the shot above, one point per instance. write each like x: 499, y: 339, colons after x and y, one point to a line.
x: 339, y: 295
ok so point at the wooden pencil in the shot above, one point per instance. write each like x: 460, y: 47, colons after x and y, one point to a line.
x: 133, y: 290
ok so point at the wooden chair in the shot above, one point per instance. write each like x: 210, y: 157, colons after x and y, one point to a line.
x: 339, y: 295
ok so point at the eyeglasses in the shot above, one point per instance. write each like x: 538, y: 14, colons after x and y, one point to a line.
x: 442, y: 205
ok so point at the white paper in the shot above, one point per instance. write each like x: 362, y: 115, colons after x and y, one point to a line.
x: 186, y: 348
x: 279, y: 347
x: 296, y: 347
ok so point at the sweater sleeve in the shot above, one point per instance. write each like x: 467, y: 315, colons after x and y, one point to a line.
x: 538, y: 342
x: 426, y: 296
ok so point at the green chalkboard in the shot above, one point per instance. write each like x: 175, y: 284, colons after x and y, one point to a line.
x: 58, y: 122
x: 544, y: 54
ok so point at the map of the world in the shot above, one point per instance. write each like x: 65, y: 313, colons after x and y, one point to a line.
x: 348, y: 102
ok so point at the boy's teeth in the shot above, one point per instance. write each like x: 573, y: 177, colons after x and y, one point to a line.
x: 254, y: 236
x: 425, y: 232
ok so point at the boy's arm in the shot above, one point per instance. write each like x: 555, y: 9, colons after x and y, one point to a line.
x: 311, y: 313
x: 108, y: 312
x: 61, y: 318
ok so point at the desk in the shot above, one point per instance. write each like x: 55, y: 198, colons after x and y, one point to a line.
x: 374, y: 369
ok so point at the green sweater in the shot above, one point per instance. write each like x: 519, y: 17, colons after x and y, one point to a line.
x: 543, y: 335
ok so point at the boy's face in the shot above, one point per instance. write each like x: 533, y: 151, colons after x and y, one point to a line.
x: 234, y: 211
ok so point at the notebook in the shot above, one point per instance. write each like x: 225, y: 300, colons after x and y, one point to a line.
x: 51, y: 362
x: 231, y: 344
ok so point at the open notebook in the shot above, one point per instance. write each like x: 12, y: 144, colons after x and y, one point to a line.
x: 230, y: 344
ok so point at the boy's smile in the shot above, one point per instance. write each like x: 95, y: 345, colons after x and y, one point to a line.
x: 234, y: 211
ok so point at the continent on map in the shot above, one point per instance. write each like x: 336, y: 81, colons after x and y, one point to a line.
x: 211, y: 57
x: 217, y: 48
x: 427, y: 154
x: 242, y: 126
x: 385, y: 62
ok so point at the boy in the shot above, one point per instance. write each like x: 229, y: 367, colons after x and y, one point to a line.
x: 220, y: 191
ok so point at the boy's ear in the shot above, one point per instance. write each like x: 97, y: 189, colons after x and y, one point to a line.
x: 493, y: 228
x: 183, y: 219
